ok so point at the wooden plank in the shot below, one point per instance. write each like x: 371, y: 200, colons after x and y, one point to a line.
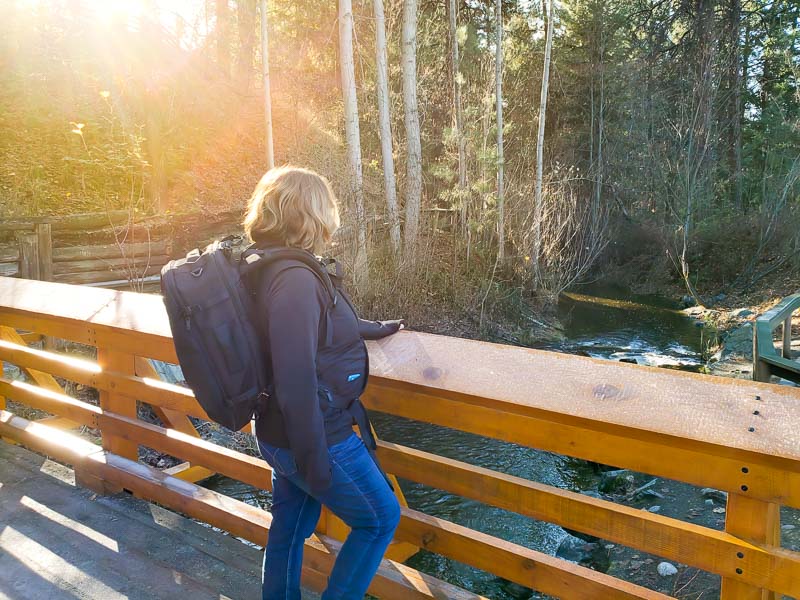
x: 768, y: 477
x: 136, y: 273
x: 393, y: 580
x: 187, y: 472
x: 52, y: 402
x: 9, y: 254
x: 151, y: 390
x: 538, y: 571
x: 171, y: 418
x: 761, y: 369
x: 174, y: 420
x: 127, y: 313
x: 110, y: 251
x: 66, y: 330
x: 116, y: 402
x: 28, y: 255
x: 9, y: 269
x: 42, y: 378
x: 239, y: 466
x: 775, y: 315
x: 72, y: 222
x: 758, y: 522
x: 58, y: 423
x: 114, y: 267
x: 31, y: 337
x: 138, y: 232
x: 646, y: 401
x: 3, y: 403
x: 787, y: 337
x: 130, y: 322
x: 45, y: 244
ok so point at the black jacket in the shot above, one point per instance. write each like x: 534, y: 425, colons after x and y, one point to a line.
x: 318, y: 361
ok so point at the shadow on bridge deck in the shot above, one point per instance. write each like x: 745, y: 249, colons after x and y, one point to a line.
x: 59, y: 541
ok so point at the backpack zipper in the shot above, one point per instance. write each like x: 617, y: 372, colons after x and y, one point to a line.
x: 363, y: 343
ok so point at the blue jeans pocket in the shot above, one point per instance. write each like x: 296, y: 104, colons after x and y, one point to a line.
x: 280, y: 459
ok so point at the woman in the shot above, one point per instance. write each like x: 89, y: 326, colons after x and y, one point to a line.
x: 318, y: 363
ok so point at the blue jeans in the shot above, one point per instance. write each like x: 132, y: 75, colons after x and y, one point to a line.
x: 359, y: 496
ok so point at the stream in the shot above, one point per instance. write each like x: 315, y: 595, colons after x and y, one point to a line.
x: 599, y: 321
x: 609, y: 322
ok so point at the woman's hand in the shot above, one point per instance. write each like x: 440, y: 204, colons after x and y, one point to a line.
x: 393, y: 326
x: 375, y: 330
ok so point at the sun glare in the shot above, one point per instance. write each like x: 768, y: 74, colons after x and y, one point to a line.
x: 106, y: 10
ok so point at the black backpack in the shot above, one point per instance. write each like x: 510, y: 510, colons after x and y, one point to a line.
x: 214, y: 326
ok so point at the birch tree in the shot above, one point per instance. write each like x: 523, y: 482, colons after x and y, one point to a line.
x: 384, y: 120
x: 498, y: 78
x: 353, y: 135
x: 223, y: 37
x: 734, y: 115
x: 246, y: 25
x: 265, y: 75
x: 538, y: 212
x: 414, y: 151
x: 457, y: 111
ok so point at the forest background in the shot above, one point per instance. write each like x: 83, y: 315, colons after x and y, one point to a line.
x: 531, y: 145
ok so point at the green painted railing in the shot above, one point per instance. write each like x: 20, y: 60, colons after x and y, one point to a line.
x: 766, y: 359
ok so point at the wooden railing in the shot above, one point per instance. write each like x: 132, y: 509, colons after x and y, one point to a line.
x: 766, y: 359
x: 732, y: 435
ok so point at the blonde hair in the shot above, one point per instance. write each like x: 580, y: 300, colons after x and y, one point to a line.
x: 294, y: 206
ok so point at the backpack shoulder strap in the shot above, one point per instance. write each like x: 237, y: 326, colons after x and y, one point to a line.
x: 254, y: 259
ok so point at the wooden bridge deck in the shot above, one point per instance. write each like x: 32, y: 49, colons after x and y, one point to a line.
x: 61, y: 541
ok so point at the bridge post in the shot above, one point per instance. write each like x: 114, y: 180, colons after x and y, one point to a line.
x: 754, y: 521
x: 119, y: 362
x: 28, y: 255
x: 761, y: 370
x: 44, y: 239
x: 787, y: 337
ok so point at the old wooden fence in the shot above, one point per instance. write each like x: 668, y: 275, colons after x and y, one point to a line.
x: 738, y: 436
x: 117, y: 249
x: 113, y: 249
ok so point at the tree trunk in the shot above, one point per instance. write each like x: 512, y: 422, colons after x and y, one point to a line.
x: 735, y: 104
x: 155, y: 154
x: 745, y: 75
x: 498, y: 78
x: 246, y: 21
x: 385, y: 125
x: 154, y: 108
x: 414, y: 151
x: 223, y: 37
x: 265, y: 73
x: 353, y: 136
x: 705, y: 90
x: 598, y: 191
x: 458, y: 113
x: 538, y: 208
